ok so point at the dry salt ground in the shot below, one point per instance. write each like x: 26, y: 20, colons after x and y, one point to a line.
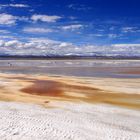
x: 70, y: 121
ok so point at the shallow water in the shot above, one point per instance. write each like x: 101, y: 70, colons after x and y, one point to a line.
x: 84, y: 68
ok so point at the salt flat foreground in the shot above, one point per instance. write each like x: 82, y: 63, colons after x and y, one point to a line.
x: 70, y: 122
x: 45, y: 107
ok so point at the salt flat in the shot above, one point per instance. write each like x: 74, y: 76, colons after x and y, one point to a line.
x: 70, y: 121
x: 45, y: 106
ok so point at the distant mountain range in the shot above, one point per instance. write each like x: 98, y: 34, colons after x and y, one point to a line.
x: 67, y: 57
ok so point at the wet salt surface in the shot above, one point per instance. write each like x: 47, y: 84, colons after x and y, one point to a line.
x: 84, y: 68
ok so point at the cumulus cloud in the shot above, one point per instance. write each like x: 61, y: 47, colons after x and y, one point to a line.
x: 45, y: 47
x: 72, y: 27
x: 37, y: 30
x: 45, y: 18
x: 34, y: 46
x: 7, y: 19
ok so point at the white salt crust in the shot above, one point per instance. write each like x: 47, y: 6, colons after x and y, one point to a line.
x: 70, y: 121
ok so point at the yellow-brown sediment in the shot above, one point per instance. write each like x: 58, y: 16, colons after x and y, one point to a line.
x: 44, y: 89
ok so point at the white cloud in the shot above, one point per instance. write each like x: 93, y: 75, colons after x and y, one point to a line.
x: 126, y: 45
x: 43, y: 40
x: 19, y: 5
x: 45, y: 18
x: 9, y: 37
x: 96, y: 35
x: 37, y: 30
x: 7, y: 19
x: 72, y: 27
x: 15, y: 5
x: 45, y: 47
x: 4, y: 31
x: 12, y: 43
x: 23, y: 18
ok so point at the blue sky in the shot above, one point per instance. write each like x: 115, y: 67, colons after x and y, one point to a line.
x: 42, y: 27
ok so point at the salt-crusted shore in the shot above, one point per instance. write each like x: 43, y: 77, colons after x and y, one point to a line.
x: 68, y: 108
x: 71, y: 121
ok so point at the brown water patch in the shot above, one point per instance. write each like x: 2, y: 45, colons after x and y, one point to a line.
x: 132, y: 72
x: 44, y: 88
x: 56, y: 90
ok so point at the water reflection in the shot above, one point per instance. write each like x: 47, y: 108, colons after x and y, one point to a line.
x: 89, y: 68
